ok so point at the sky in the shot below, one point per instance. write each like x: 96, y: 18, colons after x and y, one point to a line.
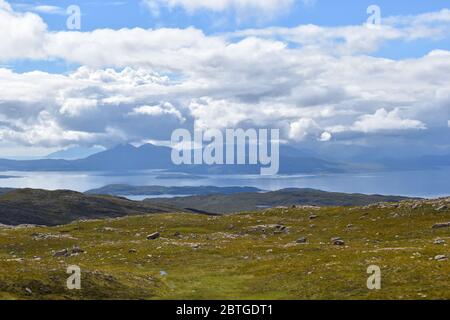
x: 328, y: 74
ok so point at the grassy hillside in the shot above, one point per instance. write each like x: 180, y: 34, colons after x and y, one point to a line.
x: 241, y: 256
x: 41, y: 207
x: 223, y: 203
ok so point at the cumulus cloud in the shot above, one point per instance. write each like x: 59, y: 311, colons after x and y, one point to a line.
x: 139, y: 84
x: 301, y: 128
x: 165, y: 108
x: 22, y: 35
x: 383, y: 120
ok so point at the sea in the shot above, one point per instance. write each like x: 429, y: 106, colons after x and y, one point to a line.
x: 427, y: 184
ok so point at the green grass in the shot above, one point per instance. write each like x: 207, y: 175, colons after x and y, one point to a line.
x: 232, y: 261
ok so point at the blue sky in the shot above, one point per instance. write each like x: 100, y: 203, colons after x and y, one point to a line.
x: 137, y: 70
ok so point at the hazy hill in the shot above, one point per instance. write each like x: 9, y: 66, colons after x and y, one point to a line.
x: 148, y: 156
x: 127, y: 190
x: 286, y: 197
x: 41, y: 207
x: 74, y: 153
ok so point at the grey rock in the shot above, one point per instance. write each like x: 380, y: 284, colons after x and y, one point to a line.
x: 153, y: 236
x: 441, y: 225
x: 337, y: 241
x: 76, y: 250
x: 302, y: 240
x: 61, y: 253
x: 440, y: 257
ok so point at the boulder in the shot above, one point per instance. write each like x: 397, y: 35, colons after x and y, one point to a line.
x: 153, y: 236
x: 337, y: 241
x: 76, y: 250
x: 441, y: 225
x: 439, y: 241
x: 61, y: 253
x: 440, y: 257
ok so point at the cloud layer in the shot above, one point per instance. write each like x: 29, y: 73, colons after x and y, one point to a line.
x: 138, y: 84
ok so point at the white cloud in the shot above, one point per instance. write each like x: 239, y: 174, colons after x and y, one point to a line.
x: 325, y: 136
x: 165, y: 108
x: 76, y: 106
x: 137, y: 84
x: 383, y: 120
x: 22, y: 35
x: 301, y: 128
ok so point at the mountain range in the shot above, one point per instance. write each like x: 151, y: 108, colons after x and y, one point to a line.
x: 292, y: 161
x: 128, y: 157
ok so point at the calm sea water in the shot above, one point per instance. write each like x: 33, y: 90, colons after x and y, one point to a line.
x: 433, y: 183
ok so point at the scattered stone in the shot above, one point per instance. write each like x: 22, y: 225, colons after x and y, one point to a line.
x: 132, y: 251
x: 163, y: 273
x: 108, y: 229
x: 77, y: 250
x: 153, y: 236
x: 28, y: 290
x: 440, y: 257
x: 177, y: 234
x: 270, y: 228
x: 61, y: 253
x: 302, y: 240
x: 441, y: 208
x: 67, y: 253
x: 195, y: 246
x: 349, y: 226
x: 441, y: 225
x: 313, y: 216
x: 337, y: 242
x: 47, y: 236
x: 439, y: 241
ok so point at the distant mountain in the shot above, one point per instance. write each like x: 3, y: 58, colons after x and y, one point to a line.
x: 292, y: 161
x: 128, y: 157
x: 224, y: 204
x: 41, y: 207
x: 148, y: 156
x: 127, y: 190
x: 74, y: 153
